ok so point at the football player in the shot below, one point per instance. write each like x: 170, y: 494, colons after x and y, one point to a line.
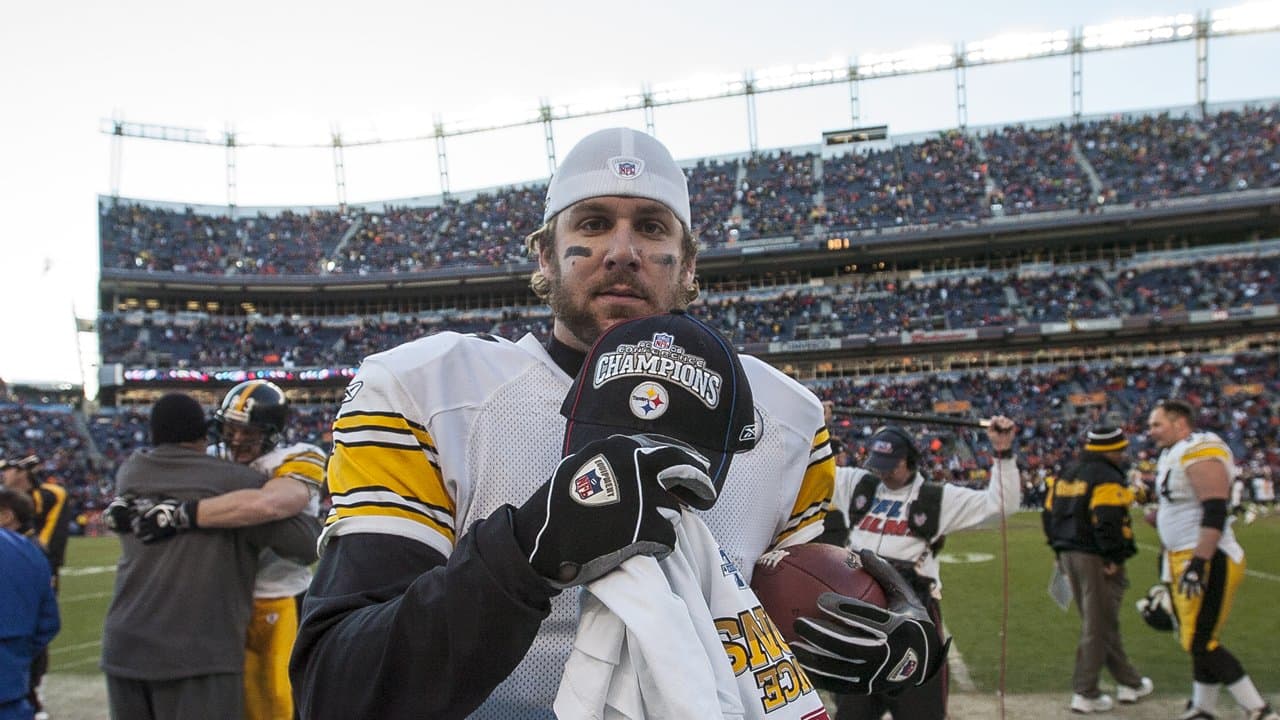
x: 446, y: 588
x: 1202, y: 557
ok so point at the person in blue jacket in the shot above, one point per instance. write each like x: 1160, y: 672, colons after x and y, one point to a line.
x: 30, y: 618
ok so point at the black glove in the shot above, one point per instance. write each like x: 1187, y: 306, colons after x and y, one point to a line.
x: 119, y: 514
x: 604, y: 504
x: 164, y: 519
x: 1191, y: 584
x: 862, y: 649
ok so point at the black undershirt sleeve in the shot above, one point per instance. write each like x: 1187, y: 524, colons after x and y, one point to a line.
x: 391, y: 629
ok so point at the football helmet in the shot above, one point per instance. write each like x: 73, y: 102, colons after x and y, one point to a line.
x: 1157, y: 609
x: 258, y: 405
x: 30, y: 465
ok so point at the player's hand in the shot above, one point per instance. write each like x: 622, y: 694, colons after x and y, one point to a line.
x: 165, y: 519
x: 613, y: 499
x: 858, y: 648
x: 1191, y: 584
x: 1000, y: 432
x: 119, y: 514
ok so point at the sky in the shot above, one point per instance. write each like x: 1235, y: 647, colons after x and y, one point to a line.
x: 292, y: 72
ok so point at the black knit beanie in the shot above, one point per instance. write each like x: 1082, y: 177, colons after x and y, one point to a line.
x: 177, y: 418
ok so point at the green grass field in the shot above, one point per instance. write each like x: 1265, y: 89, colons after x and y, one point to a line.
x: 1042, y: 638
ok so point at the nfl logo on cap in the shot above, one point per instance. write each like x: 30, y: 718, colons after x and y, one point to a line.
x: 626, y: 167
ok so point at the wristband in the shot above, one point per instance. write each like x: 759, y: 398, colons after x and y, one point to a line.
x: 1215, y: 513
x: 189, y: 509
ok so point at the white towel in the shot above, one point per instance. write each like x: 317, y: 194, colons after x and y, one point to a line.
x: 648, y: 647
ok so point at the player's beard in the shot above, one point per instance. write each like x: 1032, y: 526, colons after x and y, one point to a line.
x: 573, y: 309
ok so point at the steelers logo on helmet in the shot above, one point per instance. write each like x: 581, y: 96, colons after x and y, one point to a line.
x: 649, y: 401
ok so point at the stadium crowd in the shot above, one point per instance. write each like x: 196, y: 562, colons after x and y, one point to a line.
x: 850, y: 306
x: 952, y: 178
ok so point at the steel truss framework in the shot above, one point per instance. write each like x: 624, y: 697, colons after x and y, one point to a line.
x: 1197, y: 29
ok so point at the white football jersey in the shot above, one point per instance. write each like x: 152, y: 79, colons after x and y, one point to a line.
x: 1179, y: 512
x: 278, y: 577
x: 440, y: 432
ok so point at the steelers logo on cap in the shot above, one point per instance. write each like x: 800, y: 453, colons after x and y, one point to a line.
x: 649, y: 401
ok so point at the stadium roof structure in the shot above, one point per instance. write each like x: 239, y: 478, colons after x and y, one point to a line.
x: 1252, y: 18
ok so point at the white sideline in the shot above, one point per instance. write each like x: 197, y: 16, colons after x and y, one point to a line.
x: 960, y: 676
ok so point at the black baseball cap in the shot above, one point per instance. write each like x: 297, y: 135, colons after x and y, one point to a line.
x: 886, y: 448
x: 670, y: 375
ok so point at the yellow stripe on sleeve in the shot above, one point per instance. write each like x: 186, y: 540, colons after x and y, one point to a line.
x: 1204, y: 452
x: 303, y: 466
x: 54, y: 515
x: 373, y: 423
x: 814, y: 498
x: 376, y: 479
x: 1111, y: 495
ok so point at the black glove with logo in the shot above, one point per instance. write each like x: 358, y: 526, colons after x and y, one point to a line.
x: 119, y: 515
x: 611, y: 500
x: 1191, y: 584
x: 860, y: 649
x: 164, y: 519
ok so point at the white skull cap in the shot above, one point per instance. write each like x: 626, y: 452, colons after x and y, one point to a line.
x: 623, y: 162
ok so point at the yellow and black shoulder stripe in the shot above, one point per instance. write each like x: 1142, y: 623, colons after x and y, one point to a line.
x: 814, y: 498
x: 385, y: 471
x: 306, y: 465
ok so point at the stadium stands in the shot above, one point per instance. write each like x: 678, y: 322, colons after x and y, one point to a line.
x: 940, y: 181
x: 847, y: 306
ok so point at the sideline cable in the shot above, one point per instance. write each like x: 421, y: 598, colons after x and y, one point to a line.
x: 1004, y: 590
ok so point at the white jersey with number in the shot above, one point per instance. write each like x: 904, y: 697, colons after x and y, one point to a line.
x: 304, y: 462
x: 1179, y: 513
x: 441, y: 432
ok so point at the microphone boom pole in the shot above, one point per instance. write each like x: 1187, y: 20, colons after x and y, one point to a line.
x: 918, y: 418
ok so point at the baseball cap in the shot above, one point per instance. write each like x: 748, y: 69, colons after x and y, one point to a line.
x: 1105, y: 439
x: 887, y: 446
x: 669, y: 375
x: 177, y: 418
x: 619, y: 161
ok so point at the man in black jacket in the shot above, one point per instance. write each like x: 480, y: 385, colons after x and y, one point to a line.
x: 1086, y: 519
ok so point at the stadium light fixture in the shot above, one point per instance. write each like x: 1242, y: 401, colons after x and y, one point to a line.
x: 1017, y: 46
x: 1142, y: 31
x: 924, y: 59
x: 1253, y: 17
